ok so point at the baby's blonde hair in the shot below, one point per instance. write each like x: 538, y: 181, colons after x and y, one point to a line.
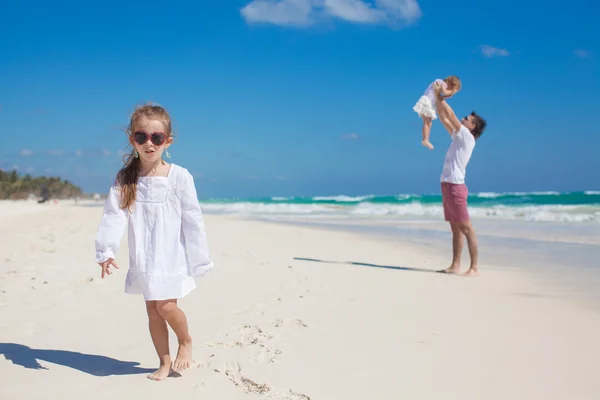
x: 453, y: 83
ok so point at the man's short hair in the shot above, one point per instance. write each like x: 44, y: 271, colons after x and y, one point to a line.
x: 480, y: 125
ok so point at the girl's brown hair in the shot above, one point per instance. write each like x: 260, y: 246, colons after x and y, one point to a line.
x: 128, y: 176
x: 453, y: 83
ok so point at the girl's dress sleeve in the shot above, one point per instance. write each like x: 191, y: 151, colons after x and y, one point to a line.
x: 111, y: 228
x: 192, y: 226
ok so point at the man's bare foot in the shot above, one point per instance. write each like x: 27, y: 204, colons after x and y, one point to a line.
x: 472, y: 272
x: 184, y: 357
x: 450, y: 270
x: 427, y: 144
x: 161, y: 373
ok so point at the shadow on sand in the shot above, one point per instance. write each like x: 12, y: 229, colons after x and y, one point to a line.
x: 399, y: 268
x: 88, y: 363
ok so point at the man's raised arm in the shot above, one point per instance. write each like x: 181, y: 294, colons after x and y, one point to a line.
x: 447, y: 116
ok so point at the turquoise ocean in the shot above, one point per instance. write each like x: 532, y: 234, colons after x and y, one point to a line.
x: 572, y: 207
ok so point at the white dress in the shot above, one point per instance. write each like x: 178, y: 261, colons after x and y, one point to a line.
x: 425, y: 106
x: 167, y: 240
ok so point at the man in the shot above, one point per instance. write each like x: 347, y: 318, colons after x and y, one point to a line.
x: 454, y: 190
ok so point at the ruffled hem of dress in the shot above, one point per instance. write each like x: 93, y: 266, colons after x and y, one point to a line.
x: 424, y: 108
x: 159, y: 287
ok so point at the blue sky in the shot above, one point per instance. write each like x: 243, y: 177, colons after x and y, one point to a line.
x: 304, y: 97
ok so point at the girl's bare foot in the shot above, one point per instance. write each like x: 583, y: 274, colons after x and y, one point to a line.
x: 161, y: 373
x: 184, y: 356
x: 427, y: 144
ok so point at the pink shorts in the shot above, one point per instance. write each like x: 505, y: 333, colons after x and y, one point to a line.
x: 454, y: 200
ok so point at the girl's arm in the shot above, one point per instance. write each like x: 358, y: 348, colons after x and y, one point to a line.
x: 192, y: 225
x: 443, y: 87
x: 446, y: 93
x: 111, y: 228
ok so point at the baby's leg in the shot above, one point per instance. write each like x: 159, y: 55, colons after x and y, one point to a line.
x: 160, y: 338
x: 427, y: 122
x: 176, y: 318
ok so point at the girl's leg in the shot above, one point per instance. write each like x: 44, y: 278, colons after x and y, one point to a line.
x: 160, y: 338
x: 427, y: 122
x: 176, y: 318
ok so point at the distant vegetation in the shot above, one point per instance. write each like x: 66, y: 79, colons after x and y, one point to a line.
x: 16, y: 187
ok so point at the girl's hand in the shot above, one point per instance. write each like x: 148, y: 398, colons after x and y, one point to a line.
x: 106, y: 266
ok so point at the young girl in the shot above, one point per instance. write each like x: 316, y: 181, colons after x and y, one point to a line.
x: 425, y: 107
x: 167, y: 239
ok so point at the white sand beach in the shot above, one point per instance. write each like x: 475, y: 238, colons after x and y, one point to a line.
x: 289, y: 312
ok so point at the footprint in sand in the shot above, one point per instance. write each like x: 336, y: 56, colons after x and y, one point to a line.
x: 253, y: 336
x: 233, y: 371
x: 301, y: 323
x: 49, y: 237
x: 206, y: 364
x: 278, y: 323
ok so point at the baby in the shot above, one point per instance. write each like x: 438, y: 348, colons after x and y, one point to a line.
x: 425, y: 107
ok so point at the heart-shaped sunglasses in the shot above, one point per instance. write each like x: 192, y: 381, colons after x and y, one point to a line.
x: 141, y: 137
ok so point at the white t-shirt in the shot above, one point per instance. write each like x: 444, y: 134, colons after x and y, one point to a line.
x: 458, y: 156
x: 430, y: 92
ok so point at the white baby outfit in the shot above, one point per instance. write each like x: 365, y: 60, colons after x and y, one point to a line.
x: 426, y: 104
x: 167, y: 240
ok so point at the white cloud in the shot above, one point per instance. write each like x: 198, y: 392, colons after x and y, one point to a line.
x: 90, y: 152
x: 285, y: 12
x: 354, y: 11
x: 582, y: 53
x: 30, y: 169
x: 491, y: 51
x: 308, y: 12
x: 351, y: 136
x: 407, y: 10
x: 55, y: 152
